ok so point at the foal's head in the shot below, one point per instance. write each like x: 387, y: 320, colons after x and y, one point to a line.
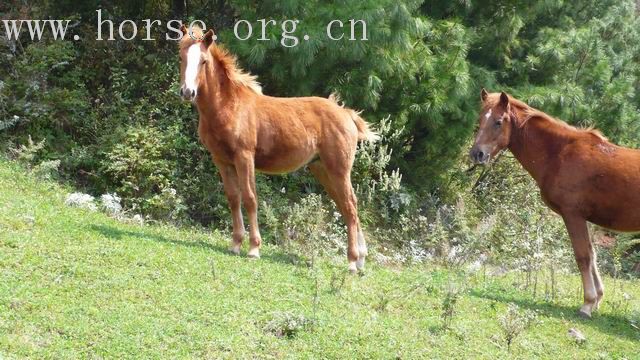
x: 194, y: 58
x: 495, y: 124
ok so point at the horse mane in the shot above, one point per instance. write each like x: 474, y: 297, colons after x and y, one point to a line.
x: 234, y: 73
x: 227, y: 61
x: 531, y: 113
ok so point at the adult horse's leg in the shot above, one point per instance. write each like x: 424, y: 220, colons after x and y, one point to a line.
x: 596, y: 279
x: 319, y: 171
x: 583, y: 251
x: 232, y: 191
x: 245, y: 168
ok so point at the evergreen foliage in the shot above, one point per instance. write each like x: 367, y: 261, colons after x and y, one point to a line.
x: 109, y: 110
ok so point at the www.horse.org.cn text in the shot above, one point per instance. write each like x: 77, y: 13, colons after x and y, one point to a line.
x: 148, y: 30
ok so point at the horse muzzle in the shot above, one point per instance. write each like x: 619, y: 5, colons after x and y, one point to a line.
x: 188, y: 94
x: 479, y: 156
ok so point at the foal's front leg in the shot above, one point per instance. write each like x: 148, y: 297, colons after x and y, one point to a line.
x: 232, y: 191
x: 245, y: 168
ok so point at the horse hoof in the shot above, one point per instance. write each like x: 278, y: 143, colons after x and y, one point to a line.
x: 352, y: 267
x: 583, y: 314
x: 360, y: 263
x: 254, y: 253
x: 235, y: 249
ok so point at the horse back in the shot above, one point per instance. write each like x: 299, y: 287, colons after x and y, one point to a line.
x: 290, y: 132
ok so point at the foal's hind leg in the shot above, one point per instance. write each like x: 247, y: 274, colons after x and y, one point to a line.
x: 318, y: 170
x: 338, y: 177
x: 583, y: 251
x: 345, y: 194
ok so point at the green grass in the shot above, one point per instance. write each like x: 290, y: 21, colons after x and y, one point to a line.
x: 77, y: 284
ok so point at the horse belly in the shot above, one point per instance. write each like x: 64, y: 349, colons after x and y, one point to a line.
x: 600, y: 182
x: 284, y: 147
x: 283, y: 162
x: 625, y: 218
x: 616, y: 207
x: 618, y: 196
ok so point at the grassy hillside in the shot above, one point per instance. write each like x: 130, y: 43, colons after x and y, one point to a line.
x: 77, y: 284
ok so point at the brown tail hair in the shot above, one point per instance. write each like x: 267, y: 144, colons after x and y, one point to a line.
x: 364, y: 130
x: 365, y: 133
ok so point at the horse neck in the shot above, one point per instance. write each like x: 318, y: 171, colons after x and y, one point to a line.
x: 215, y: 95
x: 535, y: 142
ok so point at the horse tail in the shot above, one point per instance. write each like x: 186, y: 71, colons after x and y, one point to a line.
x: 364, y: 131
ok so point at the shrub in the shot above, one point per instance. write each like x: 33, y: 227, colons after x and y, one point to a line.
x: 514, y: 322
x: 287, y: 324
x: 449, y: 303
x: 137, y: 165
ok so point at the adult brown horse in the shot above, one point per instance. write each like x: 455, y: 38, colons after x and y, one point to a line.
x: 582, y: 176
x: 245, y: 130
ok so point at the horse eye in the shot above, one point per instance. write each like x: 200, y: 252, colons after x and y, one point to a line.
x: 499, y: 123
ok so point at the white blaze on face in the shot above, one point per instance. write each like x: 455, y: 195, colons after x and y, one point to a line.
x: 486, y: 116
x: 193, y: 65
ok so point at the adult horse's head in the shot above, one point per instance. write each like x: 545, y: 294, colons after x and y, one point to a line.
x: 195, y: 57
x: 495, y: 124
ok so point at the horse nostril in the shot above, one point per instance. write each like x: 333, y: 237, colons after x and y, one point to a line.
x: 480, y: 156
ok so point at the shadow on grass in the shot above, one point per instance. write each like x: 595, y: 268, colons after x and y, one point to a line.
x: 118, y: 234
x: 617, y: 325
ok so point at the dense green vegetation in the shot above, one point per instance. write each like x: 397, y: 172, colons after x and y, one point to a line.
x: 104, y: 115
x: 75, y: 283
x: 452, y: 247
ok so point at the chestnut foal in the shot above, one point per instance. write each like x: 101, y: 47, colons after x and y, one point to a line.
x: 582, y: 176
x: 246, y: 131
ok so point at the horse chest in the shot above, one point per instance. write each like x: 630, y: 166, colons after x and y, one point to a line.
x: 221, y: 146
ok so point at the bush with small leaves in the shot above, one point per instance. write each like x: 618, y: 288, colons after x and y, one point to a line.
x: 514, y: 322
x: 449, y: 303
x: 287, y: 324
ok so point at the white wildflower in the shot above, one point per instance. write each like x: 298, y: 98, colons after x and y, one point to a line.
x: 138, y: 219
x: 477, y: 265
x: 111, y: 204
x: 381, y: 258
x: 84, y: 201
x: 453, y: 254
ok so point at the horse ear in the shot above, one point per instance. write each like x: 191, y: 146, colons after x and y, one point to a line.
x: 184, y: 30
x: 483, y: 95
x: 209, y: 38
x: 504, y: 99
